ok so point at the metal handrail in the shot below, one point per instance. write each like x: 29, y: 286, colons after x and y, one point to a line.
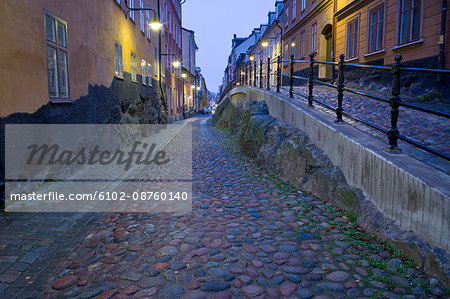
x: 368, y: 66
x: 394, y: 101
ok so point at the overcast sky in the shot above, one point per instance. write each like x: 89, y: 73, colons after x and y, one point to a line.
x: 214, y: 23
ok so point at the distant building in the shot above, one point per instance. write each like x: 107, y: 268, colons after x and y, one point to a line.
x: 189, y: 49
x: 367, y: 32
x: 172, y: 40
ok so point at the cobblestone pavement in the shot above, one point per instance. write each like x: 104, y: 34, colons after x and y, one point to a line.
x: 32, y: 245
x: 430, y: 130
x: 249, y: 235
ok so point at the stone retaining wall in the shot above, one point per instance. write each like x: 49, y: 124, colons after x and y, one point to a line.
x: 397, y: 197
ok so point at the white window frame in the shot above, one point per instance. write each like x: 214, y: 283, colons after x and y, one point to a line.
x: 59, y: 48
x: 142, y: 16
x: 144, y: 71
x: 302, y: 43
x: 133, y: 65
x: 314, y: 37
x: 149, y: 32
x: 149, y: 75
x: 118, y: 59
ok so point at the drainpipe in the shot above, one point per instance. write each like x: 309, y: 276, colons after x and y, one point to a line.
x: 164, y: 102
x: 333, y: 43
x: 441, y: 57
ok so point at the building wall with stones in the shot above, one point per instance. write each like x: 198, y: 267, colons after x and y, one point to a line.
x: 93, y: 28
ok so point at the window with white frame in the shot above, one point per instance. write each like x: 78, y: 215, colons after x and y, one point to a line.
x: 302, y: 5
x: 142, y: 16
x: 133, y: 67
x: 149, y: 74
x: 352, y: 38
x: 314, y: 37
x: 57, y: 66
x: 294, y: 9
x: 131, y: 5
x: 147, y: 24
x: 409, y: 21
x: 118, y: 59
x: 144, y: 71
x: 302, y: 44
x: 376, y: 21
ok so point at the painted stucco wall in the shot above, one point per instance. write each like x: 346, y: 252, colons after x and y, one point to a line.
x: 92, y: 29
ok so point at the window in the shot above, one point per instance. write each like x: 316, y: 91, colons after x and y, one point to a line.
x: 147, y: 24
x: 352, y: 39
x: 149, y: 74
x: 142, y: 16
x: 286, y: 53
x: 118, y: 59
x: 118, y: 1
x: 410, y: 15
x: 156, y: 61
x: 302, y: 44
x: 286, y: 17
x: 314, y: 37
x: 294, y: 9
x: 376, y: 17
x: 57, y: 68
x: 302, y: 5
x: 170, y: 22
x: 133, y: 67
x: 131, y: 5
x: 144, y: 71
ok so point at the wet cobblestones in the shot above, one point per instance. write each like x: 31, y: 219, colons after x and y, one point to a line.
x: 250, y: 235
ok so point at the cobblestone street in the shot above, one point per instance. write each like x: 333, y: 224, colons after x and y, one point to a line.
x: 250, y: 235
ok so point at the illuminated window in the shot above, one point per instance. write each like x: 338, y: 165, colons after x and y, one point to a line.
x: 57, y: 66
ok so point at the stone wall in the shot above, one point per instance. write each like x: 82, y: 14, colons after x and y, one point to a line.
x: 327, y: 160
x: 287, y: 152
x: 125, y: 102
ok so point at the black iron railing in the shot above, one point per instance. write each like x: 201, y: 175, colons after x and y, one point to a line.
x: 249, y: 76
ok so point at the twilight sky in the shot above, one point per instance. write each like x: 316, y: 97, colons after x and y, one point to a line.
x: 214, y: 23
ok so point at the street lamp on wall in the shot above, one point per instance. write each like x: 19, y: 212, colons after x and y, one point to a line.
x: 155, y: 24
